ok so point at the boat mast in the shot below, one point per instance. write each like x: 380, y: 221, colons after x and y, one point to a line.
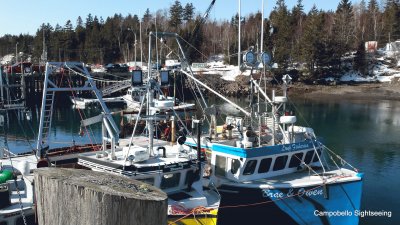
x: 262, y: 25
x: 239, y: 22
x: 149, y: 121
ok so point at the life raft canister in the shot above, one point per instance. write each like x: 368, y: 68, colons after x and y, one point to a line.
x: 5, y: 175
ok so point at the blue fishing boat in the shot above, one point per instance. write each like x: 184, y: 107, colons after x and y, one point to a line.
x: 271, y: 171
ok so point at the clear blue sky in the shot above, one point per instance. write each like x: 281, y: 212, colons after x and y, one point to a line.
x: 26, y: 16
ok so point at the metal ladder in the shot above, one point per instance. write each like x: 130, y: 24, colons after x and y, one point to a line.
x: 48, y: 112
x: 116, y: 87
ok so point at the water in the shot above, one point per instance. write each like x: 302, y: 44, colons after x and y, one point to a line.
x: 365, y: 133
x: 65, y: 131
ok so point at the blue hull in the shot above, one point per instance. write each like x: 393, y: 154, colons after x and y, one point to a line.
x: 335, y: 204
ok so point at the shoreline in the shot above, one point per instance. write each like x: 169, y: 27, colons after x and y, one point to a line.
x: 350, y: 91
x: 364, y: 91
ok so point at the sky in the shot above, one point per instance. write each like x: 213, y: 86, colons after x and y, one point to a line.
x: 26, y: 16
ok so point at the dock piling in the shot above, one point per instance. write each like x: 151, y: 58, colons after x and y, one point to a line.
x: 85, y: 197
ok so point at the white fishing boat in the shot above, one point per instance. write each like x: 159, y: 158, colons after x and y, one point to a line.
x: 16, y: 171
x: 83, y: 102
x: 136, y: 93
x: 16, y: 189
x: 167, y: 166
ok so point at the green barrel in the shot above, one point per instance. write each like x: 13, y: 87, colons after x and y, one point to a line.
x: 5, y: 175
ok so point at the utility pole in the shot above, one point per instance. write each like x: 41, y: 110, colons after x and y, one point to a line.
x: 16, y: 54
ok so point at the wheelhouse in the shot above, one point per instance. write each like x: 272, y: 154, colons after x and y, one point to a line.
x: 239, y: 164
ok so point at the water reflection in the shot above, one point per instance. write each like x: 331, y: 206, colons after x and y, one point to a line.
x: 365, y: 133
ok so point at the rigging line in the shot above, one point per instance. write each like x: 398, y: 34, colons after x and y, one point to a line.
x: 339, y: 157
x: 136, y: 123
x: 184, y: 59
x: 98, y: 79
x: 197, y: 98
x: 316, y: 153
x: 15, y: 178
x: 102, y: 80
x: 79, y: 111
x: 192, y: 46
x: 176, y: 114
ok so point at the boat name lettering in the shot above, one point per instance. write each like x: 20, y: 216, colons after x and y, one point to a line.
x: 274, y: 194
x: 292, y: 147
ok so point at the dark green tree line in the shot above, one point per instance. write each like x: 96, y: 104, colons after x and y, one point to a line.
x: 316, y: 41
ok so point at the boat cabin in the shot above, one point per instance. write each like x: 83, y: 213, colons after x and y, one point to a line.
x: 241, y: 164
x: 137, y: 93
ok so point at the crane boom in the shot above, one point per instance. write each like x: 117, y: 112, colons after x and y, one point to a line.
x: 203, y: 18
x: 198, y: 24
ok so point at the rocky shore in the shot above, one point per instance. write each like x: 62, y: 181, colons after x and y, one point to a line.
x: 357, y: 91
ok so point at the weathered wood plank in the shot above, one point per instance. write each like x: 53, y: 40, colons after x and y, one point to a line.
x: 84, y: 197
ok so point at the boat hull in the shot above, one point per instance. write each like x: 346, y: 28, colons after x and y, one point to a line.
x: 309, y: 205
x: 205, y: 218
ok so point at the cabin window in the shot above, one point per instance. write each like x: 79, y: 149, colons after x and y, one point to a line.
x: 316, y: 157
x: 170, y: 180
x: 149, y: 180
x: 308, y: 157
x: 191, y: 174
x: 250, y: 167
x: 265, y: 164
x: 280, y: 162
x: 220, y: 165
x: 296, y: 159
x: 235, y: 165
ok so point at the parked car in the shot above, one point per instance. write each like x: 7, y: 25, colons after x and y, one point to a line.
x: 116, y: 68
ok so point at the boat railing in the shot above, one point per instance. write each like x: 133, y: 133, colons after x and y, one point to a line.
x: 5, y: 153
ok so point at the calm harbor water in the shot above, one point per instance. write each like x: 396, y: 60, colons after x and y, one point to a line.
x: 364, y: 133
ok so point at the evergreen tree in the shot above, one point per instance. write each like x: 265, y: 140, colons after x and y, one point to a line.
x: 280, y: 20
x: 360, y: 62
x: 147, y: 16
x: 391, y: 18
x: 311, y: 39
x: 176, y: 12
x: 344, y: 26
x: 89, y: 21
x: 297, y: 26
x: 188, y: 12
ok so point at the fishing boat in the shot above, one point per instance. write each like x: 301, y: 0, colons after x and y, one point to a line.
x: 84, y: 102
x: 16, y: 189
x: 135, y: 93
x: 270, y: 170
x: 157, y: 162
x: 16, y: 170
